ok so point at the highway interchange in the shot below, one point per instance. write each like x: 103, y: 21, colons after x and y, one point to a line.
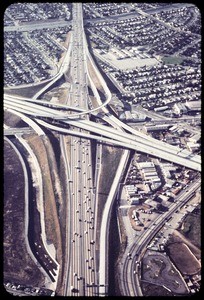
x: 137, y: 140
x: 82, y: 269
x: 82, y: 275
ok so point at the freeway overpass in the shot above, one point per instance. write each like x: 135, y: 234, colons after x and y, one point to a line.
x: 22, y: 130
x: 81, y: 262
x: 137, y: 140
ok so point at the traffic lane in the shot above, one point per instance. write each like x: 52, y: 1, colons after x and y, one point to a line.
x: 137, y: 249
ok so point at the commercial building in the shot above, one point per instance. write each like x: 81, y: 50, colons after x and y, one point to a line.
x: 134, y: 200
x: 149, y: 173
x: 161, y: 108
x: 180, y: 108
x: 194, y: 105
x: 130, y: 190
x: 195, y: 138
x: 193, y: 146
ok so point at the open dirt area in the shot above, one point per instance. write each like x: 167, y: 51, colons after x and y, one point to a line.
x: 93, y: 101
x: 144, y: 217
x: 94, y: 77
x: 66, y: 45
x: 129, y: 63
x: 29, y: 91
x: 51, y: 218
x: 18, y: 265
x: 180, y: 238
x: 66, y: 42
x: 153, y: 290
x: 191, y: 227
x: 184, y: 253
x: 58, y: 94
x: 12, y: 120
x: 184, y: 259
x: 52, y: 194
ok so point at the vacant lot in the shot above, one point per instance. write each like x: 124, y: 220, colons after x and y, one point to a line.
x: 129, y: 63
x: 58, y: 94
x: 144, y: 218
x: 184, y: 259
x: 191, y: 227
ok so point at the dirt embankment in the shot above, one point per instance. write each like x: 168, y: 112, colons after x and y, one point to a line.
x: 53, y: 199
x: 18, y: 265
x: 110, y: 160
x: 66, y: 45
x: 179, y: 237
x: 150, y: 289
x: 184, y: 259
x: 66, y: 42
x: 29, y: 91
x: 94, y: 77
x: 43, y: 154
x: 12, y: 120
x: 184, y: 254
x: 191, y: 227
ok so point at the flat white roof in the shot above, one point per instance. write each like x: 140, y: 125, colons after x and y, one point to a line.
x: 129, y: 63
x: 147, y: 164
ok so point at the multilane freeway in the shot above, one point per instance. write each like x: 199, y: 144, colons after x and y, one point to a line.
x: 73, y: 118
